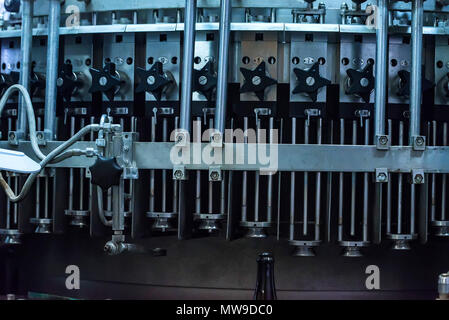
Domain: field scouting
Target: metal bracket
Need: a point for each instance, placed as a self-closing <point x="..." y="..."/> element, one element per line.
<point x="418" y="176"/>
<point x="179" y="173"/>
<point x="362" y="113"/>
<point x="123" y="149"/>
<point x="14" y="137"/>
<point x="382" y="142"/>
<point x="419" y="143"/>
<point x="181" y="138"/>
<point x="42" y="138"/>
<point x="216" y="140"/>
<point x="381" y="175"/>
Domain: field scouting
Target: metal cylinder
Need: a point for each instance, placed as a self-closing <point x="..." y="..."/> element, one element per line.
<point x="223" y="61"/>
<point x="416" y="68"/>
<point x="26" y="42"/>
<point x="187" y="67"/>
<point x="381" y="67"/>
<point x="54" y="18"/>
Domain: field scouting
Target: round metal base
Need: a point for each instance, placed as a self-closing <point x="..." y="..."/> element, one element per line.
<point x="441" y="228"/>
<point x="11" y="236"/>
<point x="78" y="218"/>
<point x="304" y="248"/>
<point x="209" y="222"/>
<point x="401" y="241"/>
<point x="256" y="233"/>
<point x="352" y="248"/>
<point x="256" y="229"/>
<point x="162" y="224"/>
<point x="209" y="225"/>
<point x="43" y="225"/>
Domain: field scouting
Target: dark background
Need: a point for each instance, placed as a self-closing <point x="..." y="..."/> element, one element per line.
<point x="214" y="268"/>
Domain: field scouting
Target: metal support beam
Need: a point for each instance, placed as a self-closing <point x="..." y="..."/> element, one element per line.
<point x="381" y="67"/>
<point x="26" y="40"/>
<point x="223" y="61"/>
<point x="54" y="18"/>
<point x="187" y="67"/>
<point x="416" y="68"/>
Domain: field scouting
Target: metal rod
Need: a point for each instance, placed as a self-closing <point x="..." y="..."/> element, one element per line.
<point x="390" y="133"/>
<point x="353" y="181"/>
<point x="81" y="195"/>
<point x="318" y="186"/>
<point x="329" y="191"/>
<point x="279" y="187"/>
<point x="341" y="186"/>
<point x="444" y="179"/>
<point x="292" y="187"/>
<point x="381" y="67"/>
<point x="46" y="208"/>
<point x="401" y="142"/>
<point x="54" y="18"/>
<point x="365" y="189"/>
<point x="306" y="184"/>
<point x="71" y="172"/>
<point x="245" y="176"/>
<point x="270" y="178"/>
<point x="187" y="67"/>
<point x="198" y="172"/>
<point x="257" y="180"/>
<point x="223" y="61"/>
<point x="164" y="172"/>
<point x="26" y="43"/>
<point x="416" y="67"/>
<point x="433" y="186"/>
<point x="152" y="172"/>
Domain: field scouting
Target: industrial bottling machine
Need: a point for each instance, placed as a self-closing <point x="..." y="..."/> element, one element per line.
<point x="158" y="147"/>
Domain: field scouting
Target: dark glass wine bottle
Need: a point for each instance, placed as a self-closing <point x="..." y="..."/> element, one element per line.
<point x="265" y="287"/>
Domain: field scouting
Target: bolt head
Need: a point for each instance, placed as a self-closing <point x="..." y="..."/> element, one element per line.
<point x="178" y="174"/>
<point x="419" y="178"/>
<point x="364" y="82"/>
<point x="151" y="80"/>
<point x="103" y="81"/>
<point x="310" y="81"/>
<point x="256" y="80"/>
<point x="214" y="175"/>
<point x="202" y="80"/>
<point x="382" y="177"/>
<point x="383" y="140"/>
<point x="419" y="141"/>
<point x="59" y="82"/>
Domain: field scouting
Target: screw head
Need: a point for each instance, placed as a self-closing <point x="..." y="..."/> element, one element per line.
<point x="256" y="80"/>
<point x="214" y="175"/>
<point x="419" y="178"/>
<point x="419" y="141"/>
<point x="103" y="81"/>
<point x="178" y="174"/>
<point x="59" y="82"/>
<point x="202" y="80"/>
<point x="383" y="140"/>
<point x="310" y="81"/>
<point x="382" y="177"/>
<point x="151" y="80"/>
<point x="364" y="82"/>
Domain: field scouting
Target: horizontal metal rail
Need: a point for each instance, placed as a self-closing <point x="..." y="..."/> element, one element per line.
<point x="235" y="26"/>
<point x="324" y="158"/>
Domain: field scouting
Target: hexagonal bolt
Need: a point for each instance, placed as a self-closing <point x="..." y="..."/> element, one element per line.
<point x="178" y="174"/>
<point x="12" y="136"/>
<point x="381" y="177"/>
<point x="419" y="141"/>
<point x="418" y="178"/>
<point x="383" y="140"/>
<point x="214" y="175"/>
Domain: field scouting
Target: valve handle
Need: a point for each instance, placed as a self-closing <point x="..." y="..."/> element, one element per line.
<point x="153" y="81"/>
<point x="106" y="80"/>
<point x="310" y="81"/>
<point x="67" y="82"/>
<point x="361" y="82"/>
<point x="205" y="80"/>
<point x="256" y="81"/>
<point x="404" y="90"/>
<point x="105" y="172"/>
